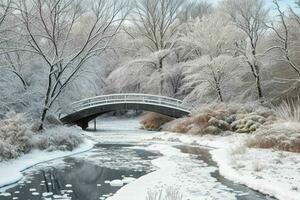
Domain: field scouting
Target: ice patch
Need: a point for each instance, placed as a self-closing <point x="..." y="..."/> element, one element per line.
<point x="116" y="183"/>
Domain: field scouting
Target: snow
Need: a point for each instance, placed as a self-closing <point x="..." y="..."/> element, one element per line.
<point x="180" y="171"/>
<point x="11" y="171"/>
<point x="271" y="172"/>
<point x="275" y="173"/>
<point x="127" y="180"/>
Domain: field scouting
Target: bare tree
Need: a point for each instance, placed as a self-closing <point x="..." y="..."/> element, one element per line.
<point x="8" y="61"/>
<point x="294" y="13"/>
<point x="157" y="21"/>
<point x="250" y="17"/>
<point x="283" y="41"/>
<point x="196" y="9"/>
<point x="52" y="28"/>
<point x="14" y="63"/>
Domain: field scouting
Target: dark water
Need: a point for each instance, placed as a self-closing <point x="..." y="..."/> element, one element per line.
<point x="83" y="177"/>
<point x="242" y="192"/>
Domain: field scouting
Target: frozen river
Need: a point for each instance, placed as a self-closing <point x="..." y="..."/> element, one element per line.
<point x="127" y="164"/>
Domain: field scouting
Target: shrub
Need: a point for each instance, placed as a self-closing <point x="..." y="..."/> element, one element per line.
<point x="153" y="121"/>
<point x="215" y="119"/>
<point x="58" y="138"/>
<point x="15" y="136"/>
<point x="279" y="136"/>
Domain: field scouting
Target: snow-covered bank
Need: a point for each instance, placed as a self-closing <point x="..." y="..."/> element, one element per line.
<point x="188" y="176"/>
<point x="11" y="171"/>
<point x="271" y="172"/>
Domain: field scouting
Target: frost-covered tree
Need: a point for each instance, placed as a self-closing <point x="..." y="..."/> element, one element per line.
<point x="144" y="74"/>
<point x="54" y="31"/>
<point x="196" y="9"/>
<point x="207" y="44"/>
<point x="287" y="36"/>
<point x="250" y="17"/>
<point x="208" y="74"/>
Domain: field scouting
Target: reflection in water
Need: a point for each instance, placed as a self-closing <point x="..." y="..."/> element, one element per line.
<point x="242" y="192"/>
<point x="83" y="177"/>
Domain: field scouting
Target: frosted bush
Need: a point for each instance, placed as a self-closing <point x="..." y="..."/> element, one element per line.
<point x="58" y="138"/>
<point x="169" y="193"/>
<point x="215" y="119"/>
<point x="7" y="151"/>
<point x="15" y="136"/>
<point x="154" y="121"/>
<point x="280" y="136"/>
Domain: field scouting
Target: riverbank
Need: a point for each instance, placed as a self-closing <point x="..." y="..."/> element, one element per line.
<point x="271" y="172"/>
<point x="11" y="171"/>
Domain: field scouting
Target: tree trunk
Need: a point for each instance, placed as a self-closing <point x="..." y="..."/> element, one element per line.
<point x="47" y="98"/>
<point x="256" y="74"/>
<point x="258" y="87"/>
<point x="161" y="84"/>
<point x="43" y="117"/>
<point x="219" y="92"/>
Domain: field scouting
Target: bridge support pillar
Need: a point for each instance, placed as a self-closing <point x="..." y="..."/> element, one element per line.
<point x="95" y="124"/>
<point x="83" y="124"/>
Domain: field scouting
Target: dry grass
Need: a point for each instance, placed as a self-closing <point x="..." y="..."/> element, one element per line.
<point x="169" y="193"/>
<point x="154" y="121"/>
<point x="280" y="136"/>
<point x="288" y="110"/>
<point x="217" y="118"/>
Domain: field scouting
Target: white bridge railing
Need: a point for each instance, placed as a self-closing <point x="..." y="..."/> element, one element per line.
<point x="125" y="98"/>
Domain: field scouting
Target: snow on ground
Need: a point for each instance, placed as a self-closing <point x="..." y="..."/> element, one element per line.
<point x="11" y="171"/>
<point x="115" y="130"/>
<point x="276" y="173"/>
<point x="190" y="176"/>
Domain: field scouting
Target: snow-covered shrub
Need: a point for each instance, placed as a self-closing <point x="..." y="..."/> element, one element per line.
<point x="15" y="136"/>
<point x="257" y="165"/>
<point x="58" y="138"/>
<point x="7" y="151"/>
<point x="238" y="149"/>
<point x="288" y="110"/>
<point x="169" y="193"/>
<point x="153" y="121"/>
<point x="217" y="118"/>
<point x="281" y="136"/>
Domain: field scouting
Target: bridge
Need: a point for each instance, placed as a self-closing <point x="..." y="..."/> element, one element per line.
<point x="82" y="112"/>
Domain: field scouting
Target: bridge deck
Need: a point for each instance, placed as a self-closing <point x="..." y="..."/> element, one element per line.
<point x="87" y="109"/>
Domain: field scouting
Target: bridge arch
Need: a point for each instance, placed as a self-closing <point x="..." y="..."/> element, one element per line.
<point x="81" y="112"/>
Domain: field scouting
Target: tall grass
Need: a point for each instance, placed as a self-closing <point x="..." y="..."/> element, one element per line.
<point x="288" y="110"/>
<point x="169" y="193"/>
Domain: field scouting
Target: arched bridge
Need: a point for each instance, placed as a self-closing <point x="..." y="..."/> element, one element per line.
<point x="81" y="112"/>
